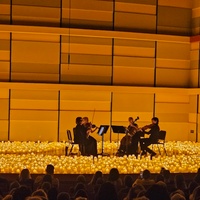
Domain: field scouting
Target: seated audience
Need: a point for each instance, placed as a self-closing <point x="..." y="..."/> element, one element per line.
<point x="63" y="196"/>
<point x="145" y="179"/>
<point x="107" y="191"/>
<point x="128" y="181"/>
<point x="114" y="178"/>
<point x="49" y="173"/>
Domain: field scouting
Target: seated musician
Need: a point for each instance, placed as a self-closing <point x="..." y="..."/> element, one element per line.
<point x="79" y="135"/>
<point x="90" y="142"/>
<point x="129" y="143"/>
<point x="154" y="134"/>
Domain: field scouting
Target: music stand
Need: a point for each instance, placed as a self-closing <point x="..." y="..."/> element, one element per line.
<point x="102" y="130"/>
<point x="118" y="130"/>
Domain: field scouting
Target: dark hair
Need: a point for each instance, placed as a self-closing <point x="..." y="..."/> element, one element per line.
<point x="21" y="193"/>
<point x="159" y="177"/>
<point x="130" y="118"/>
<point x="135" y="191"/>
<point x="50" y="169"/>
<point x="98" y="174"/>
<point x="155" y="119"/>
<point x="24" y="175"/>
<point x="78" y="120"/>
<point x="81" y="193"/>
<point x="79" y="186"/>
<point x="146" y="174"/>
<point x="107" y="191"/>
<point x="192" y="185"/>
<point x="52" y="193"/>
<point x="63" y="196"/>
<point x="180" y="182"/>
<point x="166" y="174"/>
<point x="157" y="192"/>
<point x="128" y="181"/>
<point x="47" y="178"/>
<point x="113" y="175"/>
<point x="81" y="179"/>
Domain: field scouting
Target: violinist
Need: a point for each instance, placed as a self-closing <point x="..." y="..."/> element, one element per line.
<point x="154" y="134"/>
<point x="79" y="135"/>
<point x="90" y="142"/>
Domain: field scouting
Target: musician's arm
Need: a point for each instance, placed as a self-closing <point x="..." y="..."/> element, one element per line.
<point x="93" y="130"/>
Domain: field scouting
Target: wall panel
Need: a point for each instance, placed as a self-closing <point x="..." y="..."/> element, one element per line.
<point x="4" y="113"/>
<point x="176" y="17"/>
<point x="173" y="59"/>
<point x="87" y="14"/>
<point x="34" y="60"/>
<point x="4" y="56"/>
<point x="27" y="12"/>
<point x="5" y="11"/>
<point x="135" y="22"/>
<point x="86" y="60"/>
<point x="172" y="111"/>
<point x="34" y="115"/>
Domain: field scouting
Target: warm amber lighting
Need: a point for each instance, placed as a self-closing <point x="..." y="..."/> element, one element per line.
<point x="182" y="157"/>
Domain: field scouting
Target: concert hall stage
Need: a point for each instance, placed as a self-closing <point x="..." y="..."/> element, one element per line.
<point x="182" y="157"/>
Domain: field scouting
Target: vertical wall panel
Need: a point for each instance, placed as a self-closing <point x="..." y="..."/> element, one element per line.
<point x="5" y="11"/>
<point x="4" y="114"/>
<point x="4" y="56"/>
<point x="192" y="118"/>
<point x="173" y="59"/>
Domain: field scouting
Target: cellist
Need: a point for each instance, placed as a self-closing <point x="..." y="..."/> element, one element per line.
<point x="153" y="138"/>
<point x="129" y="143"/>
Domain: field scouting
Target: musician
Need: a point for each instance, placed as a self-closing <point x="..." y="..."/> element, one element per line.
<point x="90" y="142"/>
<point x="80" y="135"/>
<point x="154" y="134"/>
<point x="129" y="143"/>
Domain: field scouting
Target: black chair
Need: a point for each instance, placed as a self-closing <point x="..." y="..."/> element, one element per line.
<point x="161" y="141"/>
<point x="73" y="142"/>
<point x="70" y="140"/>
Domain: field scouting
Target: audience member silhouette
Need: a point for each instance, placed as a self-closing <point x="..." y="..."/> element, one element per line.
<point x="107" y="191"/>
<point x="114" y="178"/>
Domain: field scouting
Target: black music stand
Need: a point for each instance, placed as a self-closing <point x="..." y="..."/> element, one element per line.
<point x="102" y="130"/>
<point x="118" y="130"/>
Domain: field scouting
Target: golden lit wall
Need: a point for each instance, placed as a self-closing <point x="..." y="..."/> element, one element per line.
<point x="123" y="50"/>
<point x="4" y="114"/>
<point x="172" y="110"/>
<point x="45" y="114"/>
<point x="124" y="15"/>
<point x="194" y="64"/>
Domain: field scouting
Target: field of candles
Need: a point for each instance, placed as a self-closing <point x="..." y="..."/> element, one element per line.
<point x="14" y="156"/>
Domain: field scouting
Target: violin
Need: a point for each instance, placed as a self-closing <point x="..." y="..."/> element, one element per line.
<point x="147" y="127"/>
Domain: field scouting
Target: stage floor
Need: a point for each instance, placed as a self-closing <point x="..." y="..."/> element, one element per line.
<point x="14" y="156"/>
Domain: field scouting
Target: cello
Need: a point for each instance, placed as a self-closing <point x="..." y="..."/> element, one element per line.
<point x="126" y="141"/>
